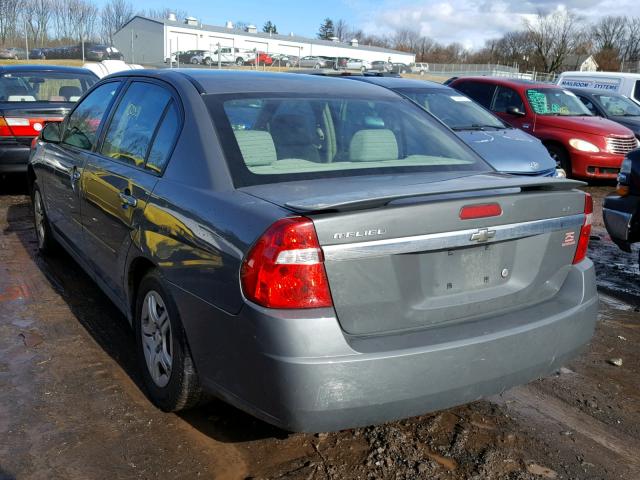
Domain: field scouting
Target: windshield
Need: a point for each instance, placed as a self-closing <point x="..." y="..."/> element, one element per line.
<point x="555" y="101"/>
<point x="456" y="111"/>
<point x="618" y="105"/>
<point x="276" y="138"/>
<point x="44" y="86"/>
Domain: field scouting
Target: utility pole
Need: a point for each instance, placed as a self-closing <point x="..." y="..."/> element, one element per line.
<point x="26" y="39"/>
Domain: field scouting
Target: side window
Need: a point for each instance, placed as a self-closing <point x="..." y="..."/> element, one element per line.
<point x="479" y="91"/>
<point x="82" y="125"/>
<point x="589" y="104"/>
<point x="164" y="139"/>
<point x="134" y="122"/>
<point x="505" y="98"/>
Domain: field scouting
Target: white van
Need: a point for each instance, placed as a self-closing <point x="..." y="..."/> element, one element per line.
<point x="627" y="84"/>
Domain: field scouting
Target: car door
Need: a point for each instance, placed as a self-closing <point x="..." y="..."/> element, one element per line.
<point x="118" y="179"/>
<point x="507" y="98"/>
<point x="64" y="162"/>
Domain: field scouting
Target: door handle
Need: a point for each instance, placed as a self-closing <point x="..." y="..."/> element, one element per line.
<point x="75" y="176"/>
<point x="127" y="199"/>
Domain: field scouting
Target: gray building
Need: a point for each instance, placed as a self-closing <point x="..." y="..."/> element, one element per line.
<point x="151" y="41"/>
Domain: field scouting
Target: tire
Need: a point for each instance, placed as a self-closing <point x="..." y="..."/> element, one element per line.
<point x="208" y="61"/>
<point x="168" y="371"/>
<point x="316" y="66"/>
<point x="561" y="156"/>
<point x="46" y="243"/>
<point x="421" y="72"/>
<point x="194" y="61"/>
<point x="239" y="61"/>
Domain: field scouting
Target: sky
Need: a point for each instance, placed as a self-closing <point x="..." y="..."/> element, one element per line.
<point x="469" y="22"/>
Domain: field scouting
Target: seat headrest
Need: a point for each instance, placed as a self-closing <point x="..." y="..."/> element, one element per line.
<point x="373" y="145"/>
<point x="69" y="91"/>
<point x="256" y="146"/>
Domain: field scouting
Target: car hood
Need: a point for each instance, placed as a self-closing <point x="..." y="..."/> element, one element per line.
<point x="632" y="123"/>
<point x="588" y="125"/>
<point x="510" y="150"/>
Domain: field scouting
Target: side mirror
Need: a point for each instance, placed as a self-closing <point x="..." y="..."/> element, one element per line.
<point x="515" y="111"/>
<point x="51" y="133"/>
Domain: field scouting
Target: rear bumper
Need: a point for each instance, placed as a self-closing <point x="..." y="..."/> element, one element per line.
<point x="299" y="371"/>
<point x="14" y="158"/>
<point x="620" y="219"/>
<point x="595" y="165"/>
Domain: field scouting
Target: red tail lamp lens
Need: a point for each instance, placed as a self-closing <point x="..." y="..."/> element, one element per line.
<point x="285" y="268"/>
<point x="485" y="210"/>
<point x="585" y="231"/>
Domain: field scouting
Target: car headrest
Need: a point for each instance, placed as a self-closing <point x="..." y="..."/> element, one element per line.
<point x="256" y="146"/>
<point x="69" y="91"/>
<point x="373" y="145"/>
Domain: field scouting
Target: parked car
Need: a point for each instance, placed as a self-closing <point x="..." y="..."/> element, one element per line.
<point x="97" y="52"/>
<point x="613" y="106"/>
<point x="233" y="55"/>
<point x="627" y="84"/>
<point x="38" y="54"/>
<point x="400" y="68"/>
<point x="381" y="66"/>
<point x="30" y="97"/>
<point x="505" y="148"/>
<point x="204" y="57"/>
<point x="13" y="53"/>
<point x="320" y="253"/>
<point x="316" y="62"/>
<point x="419" y="68"/>
<point x="621" y="210"/>
<point x="283" y="60"/>
<point x="357" y="64"/>
<point x="583" y="145"/>
<point x="261" y="58"/>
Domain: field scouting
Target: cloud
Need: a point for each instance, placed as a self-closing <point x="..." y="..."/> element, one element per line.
<point x="472" y="22"/>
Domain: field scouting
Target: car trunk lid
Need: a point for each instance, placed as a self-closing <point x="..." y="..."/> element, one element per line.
<point x="398" y="255"/>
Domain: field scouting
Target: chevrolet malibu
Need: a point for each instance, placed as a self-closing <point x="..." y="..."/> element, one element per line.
<point x="322" y="254"/>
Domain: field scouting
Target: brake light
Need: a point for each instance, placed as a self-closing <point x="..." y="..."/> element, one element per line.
<point x="285" y="268"/>
<point x="469" y="212"/>
<point x="585" y="230"/>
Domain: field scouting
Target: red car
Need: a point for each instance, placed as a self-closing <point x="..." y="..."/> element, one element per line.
<point x="262" y="58"/>
<point x="582" y="144"/>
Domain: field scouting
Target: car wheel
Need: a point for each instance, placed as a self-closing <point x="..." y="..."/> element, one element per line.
<point x="560" y="155"/>
<point x="194" y="61"/>
<point x="421" y="72"/>
<point x="316" y="66"/>
<point x="46" y="242"/>
<point x="239" y="61"/>
<point x="208" y="61"/>
<point x="169" y="374"/>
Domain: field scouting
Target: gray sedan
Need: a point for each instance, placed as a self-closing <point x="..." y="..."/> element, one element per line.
<point x="320" y="253"/>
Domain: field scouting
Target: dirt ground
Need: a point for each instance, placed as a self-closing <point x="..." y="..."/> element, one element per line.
<point x="71" y="405"/>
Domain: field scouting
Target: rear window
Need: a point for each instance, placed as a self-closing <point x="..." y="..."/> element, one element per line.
<point x="280" y="138"/>
<point x="44" y="86"/>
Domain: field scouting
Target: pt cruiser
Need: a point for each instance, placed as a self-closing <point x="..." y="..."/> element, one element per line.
<point x="322" y="254"/>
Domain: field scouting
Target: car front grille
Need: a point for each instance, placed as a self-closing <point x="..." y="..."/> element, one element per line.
<point x="621" y="145"/>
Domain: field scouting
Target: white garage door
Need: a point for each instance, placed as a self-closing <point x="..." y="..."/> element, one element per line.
<point x="182" y="41"/>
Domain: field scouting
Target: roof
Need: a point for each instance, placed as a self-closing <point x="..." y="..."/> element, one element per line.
<point x="243" y="81"/>
<point x="513" y="82"/>
<point x="44" y="68"/>
<point x="576" y="60"/>
<point x="601" y="74"/>
<point x="287" y="38"/>
<point x="399" y="82"/>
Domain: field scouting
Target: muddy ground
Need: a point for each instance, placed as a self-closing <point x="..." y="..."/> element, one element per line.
<point x="71" y="405"/>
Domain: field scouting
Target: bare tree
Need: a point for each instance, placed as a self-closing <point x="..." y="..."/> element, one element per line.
<point x="8" y="20"/>
<point x="165" y="12"/>
<point x="36" y="15"/>
<point x="342" y="30"/>
<point x="553" y="36"/>
<point x="406" y="40"/>
<point x="114" y="15"/>
<point x="609" y="33"/>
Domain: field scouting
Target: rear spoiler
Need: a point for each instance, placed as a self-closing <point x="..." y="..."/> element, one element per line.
<point x="381" y="196"/>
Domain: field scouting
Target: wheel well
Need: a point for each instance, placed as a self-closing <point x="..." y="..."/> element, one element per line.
<point x="137" y="270"/>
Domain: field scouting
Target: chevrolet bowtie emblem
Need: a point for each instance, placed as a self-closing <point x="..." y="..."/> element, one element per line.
<point x="483" y="235"/>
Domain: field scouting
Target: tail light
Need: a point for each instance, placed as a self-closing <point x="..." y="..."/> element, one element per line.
<point x="285" y="268"/>
<point x="585" y="231"/>
<point x="5" y="130"/>
<point x="469" y="212"/>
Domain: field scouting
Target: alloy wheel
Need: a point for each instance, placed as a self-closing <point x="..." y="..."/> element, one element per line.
<point x="38" y="213"/>
<point x="157" y="339"/>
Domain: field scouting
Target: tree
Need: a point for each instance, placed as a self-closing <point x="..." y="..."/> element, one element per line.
<point x="114" y="15"/>
<point x="326" y="31"/>
<point x="270" y="28"/>
<point x="8" y="20"/>
<point x="342" y="30"/>
<point x="164" y="13"/>
<point x="36" y="15"/>
<point x="553" y="37"/>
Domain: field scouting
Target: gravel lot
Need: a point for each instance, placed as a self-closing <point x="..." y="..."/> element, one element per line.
<point x="71" y="405"/>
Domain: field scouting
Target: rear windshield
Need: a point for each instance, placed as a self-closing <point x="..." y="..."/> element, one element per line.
<point x="556" y="101"/>
<point x="456" y="111"/>
<point x="44" y="86"/>
<point x="273" y="138"/>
